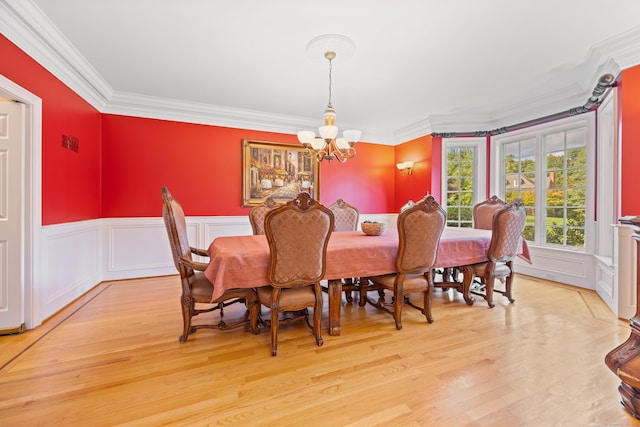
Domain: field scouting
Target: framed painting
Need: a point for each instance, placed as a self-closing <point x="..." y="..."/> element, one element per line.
<point x="278" y="170"/>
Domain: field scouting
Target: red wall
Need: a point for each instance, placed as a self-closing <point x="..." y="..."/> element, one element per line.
<point x="414" y="186"/>
<point x="630" y="100"/>
<point x="202" y="166"/>
<point x="70" y="180"/>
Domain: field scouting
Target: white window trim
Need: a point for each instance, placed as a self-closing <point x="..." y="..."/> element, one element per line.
<point x="496" y="177"/>
<point x="480" y="166"/>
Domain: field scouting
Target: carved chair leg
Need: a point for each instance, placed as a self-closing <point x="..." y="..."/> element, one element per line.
<point x="364" y="284"/>
<point x="254" y="312"/>
<point x="187" y="314"/>
<point x="347" y="294"/>
<point x="317" y="319"/>
<point x="275" y="314"/>
<point x="467" y="279"/>
<point x="489" y="291"/>
<point x="397" y="306"/>
<point x="507" y="287"/>
<point x="428" y="298"/>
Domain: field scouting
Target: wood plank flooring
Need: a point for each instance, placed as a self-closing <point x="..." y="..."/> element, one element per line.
<point x="112" y="358"/>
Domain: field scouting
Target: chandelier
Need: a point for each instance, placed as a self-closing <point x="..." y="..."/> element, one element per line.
<point x="327" y="146"/>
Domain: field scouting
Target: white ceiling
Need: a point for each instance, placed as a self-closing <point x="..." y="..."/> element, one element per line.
<point x="419" y="65"/>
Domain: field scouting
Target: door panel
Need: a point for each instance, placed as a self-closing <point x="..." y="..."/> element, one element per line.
<point x="11" y="164"/>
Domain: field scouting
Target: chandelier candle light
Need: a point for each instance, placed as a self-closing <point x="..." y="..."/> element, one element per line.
<point x="327" y="146"/>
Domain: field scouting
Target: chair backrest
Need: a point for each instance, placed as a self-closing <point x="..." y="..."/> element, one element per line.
<point x="483" y="212"/>
<point x="298" y="234"/>
<point x="345" y="216"/>
<point x="407" y="205"/>
<point x="258" y="213"/>
<point x="176" y="226"/>
<point x="508" y="225"/>
<point x="419" y="231"/>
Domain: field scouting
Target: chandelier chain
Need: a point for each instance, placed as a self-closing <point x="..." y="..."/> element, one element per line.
<point x="330" y="67"/>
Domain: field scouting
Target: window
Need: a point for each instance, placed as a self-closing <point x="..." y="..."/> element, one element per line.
<point x="464" y="175"/>
<point x="547" y="167"/>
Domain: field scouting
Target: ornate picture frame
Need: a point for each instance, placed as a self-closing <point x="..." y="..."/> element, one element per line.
<point x="277" y="169"/>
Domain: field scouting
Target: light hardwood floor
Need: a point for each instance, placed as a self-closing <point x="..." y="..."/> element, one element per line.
<point x="113" y="358"/>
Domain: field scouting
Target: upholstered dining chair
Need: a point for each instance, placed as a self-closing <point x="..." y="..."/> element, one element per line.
<point x="407" y="205"/>
<point x="258" y="213"/>
<point x="506" y="241"/>
<point x="419" y="229"/>
<point x="298" y="234"/>
<point x="346" y="218"/>
<point x="483" y="212"/>
<point x="196" y="288"/>
<point x="482" y="218"/>
<point x="345" y="215"/>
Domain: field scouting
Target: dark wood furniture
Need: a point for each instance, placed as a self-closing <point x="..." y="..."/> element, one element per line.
<point x="419" y="231"/>
<point x="483" y="212"/>
<point x="624" y="360"/>
<point x="258" y="213"/>
<point x="196" y="288"/>
<point x="346" y="218"/>
<point x="298" y="234"/>
<point x="243" y="261"/>
<point x="506" y="243"/>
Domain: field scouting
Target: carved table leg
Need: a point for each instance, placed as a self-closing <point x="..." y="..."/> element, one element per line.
<point x="624" y="360"/>
<point x="335" y="298"/>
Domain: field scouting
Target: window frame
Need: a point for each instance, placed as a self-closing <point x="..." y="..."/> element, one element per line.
<point x="538" y="132"/>
<point x="479" y="166"/>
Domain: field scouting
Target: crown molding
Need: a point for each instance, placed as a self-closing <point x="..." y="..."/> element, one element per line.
<point x="129" y="104"/>
<point x="26" y="26"/>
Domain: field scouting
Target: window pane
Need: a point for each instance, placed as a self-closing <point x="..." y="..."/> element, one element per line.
<point x="555" y="217"/>
<point x="575" y="237"/>
<point x="555" y="235"/>
<point x="565" y="197"/>
<point x="577" y="178"/>
<point x="453" y="214"/>
<point x="460" y="185"/>
<point x="577" y="157"/>
<point x="576" y="217"/>
<point x="555" y="198"/>
<point x="453" y="199"/>
<point x="466" y="214"/>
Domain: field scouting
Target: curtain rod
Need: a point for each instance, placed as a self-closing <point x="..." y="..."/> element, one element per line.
<point x="605" y="82"/>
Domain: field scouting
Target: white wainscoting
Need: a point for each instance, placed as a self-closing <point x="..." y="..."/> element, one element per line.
<point x="564" y="266"/>
<point x="77" y="256"/>
<point x="616" y="278"/>
<point x="71" y="259"/>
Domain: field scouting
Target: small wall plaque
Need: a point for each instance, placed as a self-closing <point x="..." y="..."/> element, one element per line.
<point x="70" y="142"/>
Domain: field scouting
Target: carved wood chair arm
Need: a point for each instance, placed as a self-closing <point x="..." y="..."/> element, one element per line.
<point x="198" y="251"/>
<point x="194" y="265"/>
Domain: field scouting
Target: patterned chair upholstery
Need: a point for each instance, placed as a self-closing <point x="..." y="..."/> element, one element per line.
<point x="506" y="241"/>
<point x="419" y="229"/>
<point x="196" y="288"/>
<point x="258" y="213"/>
<point x="298" y="234"/>
<point x="346" y="218"/>
<point x="483" y="212"/>
<point x="482" y="218"/>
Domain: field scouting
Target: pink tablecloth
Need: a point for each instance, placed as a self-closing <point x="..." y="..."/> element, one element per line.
<point x="243" y="261"/>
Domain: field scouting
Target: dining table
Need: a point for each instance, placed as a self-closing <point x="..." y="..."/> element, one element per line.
<point x="243" y="261"/>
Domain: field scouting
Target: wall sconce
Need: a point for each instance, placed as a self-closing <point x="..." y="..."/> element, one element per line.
<point x="405" y="165"/>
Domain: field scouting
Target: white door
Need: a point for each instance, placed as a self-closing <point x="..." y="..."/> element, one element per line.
<point x="11" y="161"/>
